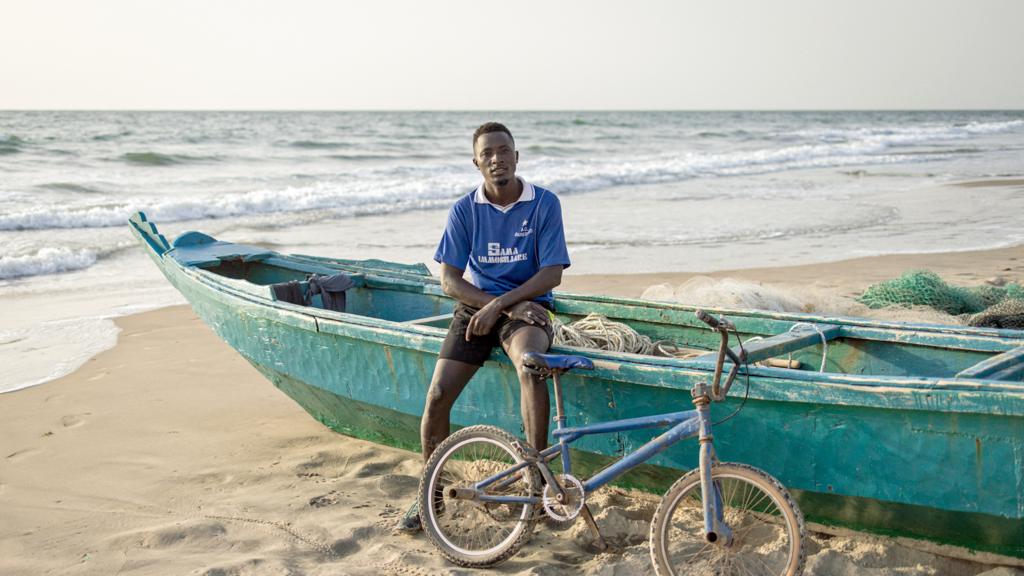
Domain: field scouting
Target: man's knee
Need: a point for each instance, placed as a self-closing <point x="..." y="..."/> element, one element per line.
<point x="435" y="395"/>
<point x="447" y="383"/>
<point x="526" y="339"/>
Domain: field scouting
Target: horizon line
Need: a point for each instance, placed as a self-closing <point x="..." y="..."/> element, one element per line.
<point x="513" y="110"/>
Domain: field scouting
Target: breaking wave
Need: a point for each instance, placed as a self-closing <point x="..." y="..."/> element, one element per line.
<point x="422" y="185"/>
<point x="46" y="261"/>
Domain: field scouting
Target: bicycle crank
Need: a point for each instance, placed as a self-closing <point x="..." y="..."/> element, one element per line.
<point x="564" y="507"/>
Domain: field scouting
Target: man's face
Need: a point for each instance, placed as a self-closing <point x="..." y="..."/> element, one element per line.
<point x="494" y="154"/>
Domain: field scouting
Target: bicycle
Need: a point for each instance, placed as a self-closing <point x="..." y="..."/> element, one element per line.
<point x="482" y="486"/>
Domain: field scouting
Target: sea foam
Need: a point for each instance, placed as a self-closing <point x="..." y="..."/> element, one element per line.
<point x="52" y="349"/>
<point x="408" y="187"/>
<point x="46" y="261"/>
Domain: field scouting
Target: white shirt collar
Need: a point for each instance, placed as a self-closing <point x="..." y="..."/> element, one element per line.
<point x="528" y="194"/>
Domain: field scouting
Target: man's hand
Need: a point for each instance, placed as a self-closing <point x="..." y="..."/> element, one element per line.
<point x="483" y="321"/>
<point x="529" y="312"/>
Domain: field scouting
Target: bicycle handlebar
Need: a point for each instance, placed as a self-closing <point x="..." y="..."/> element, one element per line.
<point x="722" y="326"/>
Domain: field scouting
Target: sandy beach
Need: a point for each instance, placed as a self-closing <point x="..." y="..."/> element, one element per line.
<point x="169" y="454"/>
<point x="781" y="157"/>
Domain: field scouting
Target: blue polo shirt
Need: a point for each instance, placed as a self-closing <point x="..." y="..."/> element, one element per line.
<point x="504" y="246"/>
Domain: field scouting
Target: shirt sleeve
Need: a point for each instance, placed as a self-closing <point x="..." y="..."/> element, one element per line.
<point x="454" y="247"/>
<point x="551" y="236"/>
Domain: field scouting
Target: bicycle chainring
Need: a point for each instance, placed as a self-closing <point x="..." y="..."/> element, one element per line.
<point x="572" y="502"/>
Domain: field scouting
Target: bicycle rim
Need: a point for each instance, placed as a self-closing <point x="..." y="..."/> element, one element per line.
<point x="473" y="529"/>
<point x="767" y="527"/>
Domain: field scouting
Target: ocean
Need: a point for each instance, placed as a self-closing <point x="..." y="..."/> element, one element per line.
<point x="641" y="192"/>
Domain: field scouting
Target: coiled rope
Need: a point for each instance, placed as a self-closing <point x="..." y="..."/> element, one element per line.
<point x="598" y="332"/>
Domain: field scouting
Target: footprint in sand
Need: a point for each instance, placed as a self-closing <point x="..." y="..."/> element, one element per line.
<point x="397" y="485"/>
<point x="370" y="469"/>
<point x="74" y="420"/>
<point x="22" y="454"/>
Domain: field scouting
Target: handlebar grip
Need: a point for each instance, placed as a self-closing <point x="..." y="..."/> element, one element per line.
<point x="708" y="319"/>
<point x="719" y="324"/>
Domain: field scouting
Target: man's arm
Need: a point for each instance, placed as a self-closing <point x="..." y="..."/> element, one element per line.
<point x="460" y="289"/>
<point x="540" y="283"/>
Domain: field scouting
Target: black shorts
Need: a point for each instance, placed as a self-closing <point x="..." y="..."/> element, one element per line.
<point x="478" y="349"/>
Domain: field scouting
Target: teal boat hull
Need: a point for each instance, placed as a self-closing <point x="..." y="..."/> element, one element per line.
<point x="887" y="440"/>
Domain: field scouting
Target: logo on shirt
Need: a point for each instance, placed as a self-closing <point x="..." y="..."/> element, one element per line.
<point x="524" y="229"/>
<point x="498" y="255"/>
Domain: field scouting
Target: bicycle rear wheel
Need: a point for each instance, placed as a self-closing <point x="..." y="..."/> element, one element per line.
<point x="768" y="528"/>
<point x="472" y="533"/>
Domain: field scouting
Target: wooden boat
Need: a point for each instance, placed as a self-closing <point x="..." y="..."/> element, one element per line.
<point x="910" y="429"/>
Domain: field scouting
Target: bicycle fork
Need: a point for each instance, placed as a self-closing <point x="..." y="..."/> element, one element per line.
<point x="716" y="531"/>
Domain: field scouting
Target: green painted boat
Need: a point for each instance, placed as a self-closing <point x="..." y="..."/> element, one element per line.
<point x="911" y="429"/>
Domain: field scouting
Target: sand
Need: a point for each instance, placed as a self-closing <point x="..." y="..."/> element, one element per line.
<point x="169" y="454"/>
<point x="843" y="278"/>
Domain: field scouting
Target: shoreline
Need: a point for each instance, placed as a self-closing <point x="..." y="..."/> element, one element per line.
<point x="169" y="453"/>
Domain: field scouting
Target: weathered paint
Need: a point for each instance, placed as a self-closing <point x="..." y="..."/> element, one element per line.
<point x="899" y="440"/>
<point x="1008" y="364"/>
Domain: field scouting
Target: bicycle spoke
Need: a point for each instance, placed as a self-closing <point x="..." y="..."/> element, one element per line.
<point x="471" y="526"/>
<point x="763" y="541"/>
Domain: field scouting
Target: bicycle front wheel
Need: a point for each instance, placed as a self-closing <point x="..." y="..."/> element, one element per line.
<point x="767" y="527"/>
<point x="474" y="533"/>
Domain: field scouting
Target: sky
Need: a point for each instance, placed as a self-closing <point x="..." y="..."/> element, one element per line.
<point x="511" y="55"/>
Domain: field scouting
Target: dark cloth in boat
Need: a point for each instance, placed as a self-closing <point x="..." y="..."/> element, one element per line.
<point x="290" y="292"/>
<point x="331" y="290"/>
<point x="478" y="349"/>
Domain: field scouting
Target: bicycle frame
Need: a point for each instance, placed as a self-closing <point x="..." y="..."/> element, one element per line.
<point x="682" y="425"/>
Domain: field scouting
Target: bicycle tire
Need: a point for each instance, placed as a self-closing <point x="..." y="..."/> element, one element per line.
<point x="451" y="526"/>
<point x="755" y="550"/>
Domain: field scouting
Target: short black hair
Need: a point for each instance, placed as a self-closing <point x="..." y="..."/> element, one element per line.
<point x="488" y="128"/>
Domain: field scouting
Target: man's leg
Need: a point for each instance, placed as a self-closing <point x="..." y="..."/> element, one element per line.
<point x="450" y="377"/>
<point x="533" y="392"/>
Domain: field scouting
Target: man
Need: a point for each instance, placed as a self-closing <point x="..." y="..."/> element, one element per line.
<point x="508" y="234"/>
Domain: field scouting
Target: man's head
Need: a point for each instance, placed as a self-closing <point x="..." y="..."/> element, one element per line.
<point x="494" y="153"/>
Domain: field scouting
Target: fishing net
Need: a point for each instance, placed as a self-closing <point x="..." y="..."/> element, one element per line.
<point x="810" y="298"/>
<point x="1006" y="314"/>
<point x="924" y="288"/>
<point x="988" y="305"/>
<point x="728" y="293"/>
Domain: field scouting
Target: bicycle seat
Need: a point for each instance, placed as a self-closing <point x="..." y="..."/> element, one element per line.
<point x="556" y="362"/>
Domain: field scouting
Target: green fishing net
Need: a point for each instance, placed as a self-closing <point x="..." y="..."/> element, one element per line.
<point x="994" y="306"/>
